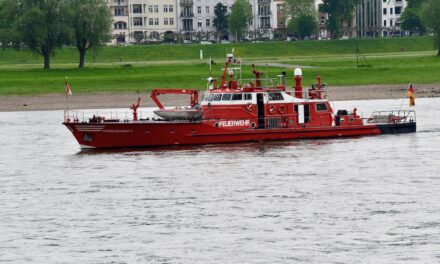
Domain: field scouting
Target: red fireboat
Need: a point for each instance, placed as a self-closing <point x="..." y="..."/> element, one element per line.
<point x="237" y="110"/>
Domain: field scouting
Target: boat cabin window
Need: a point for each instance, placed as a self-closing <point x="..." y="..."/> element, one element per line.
<point x="226" y="97"/>
<point x="321" y="107"/>
<point x="275" y="97"/>
<point x="209" y="97"/>
<point x="217" y="97"/>
<point x="237" y="97"/>
<point x="248" y="97"/>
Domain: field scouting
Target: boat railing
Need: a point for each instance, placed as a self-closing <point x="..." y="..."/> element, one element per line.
<point x="265" y="83"/>
<point x="106" y="116"/>
<point x="115" y="117"/>
<point x="391" y="117"/>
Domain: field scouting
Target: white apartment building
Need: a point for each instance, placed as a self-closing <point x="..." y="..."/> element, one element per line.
<point x="120" y="27"/>
<point x="150" y="18"/>
<point x="392" y="10"/>
<point x="142" y="20"/>
<point x="198" y="15"/>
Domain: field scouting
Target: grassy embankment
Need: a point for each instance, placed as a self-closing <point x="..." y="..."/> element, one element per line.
<point x="141" y="68"/>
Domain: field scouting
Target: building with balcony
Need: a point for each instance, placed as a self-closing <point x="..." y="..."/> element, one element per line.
<point x="392" y="11"/>
<point x="120" y="27"/>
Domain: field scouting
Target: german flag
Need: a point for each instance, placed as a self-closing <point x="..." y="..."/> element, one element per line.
<point x="412" y="95"/>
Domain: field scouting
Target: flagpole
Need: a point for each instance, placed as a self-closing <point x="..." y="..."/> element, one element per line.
<point x="67" y="101"/>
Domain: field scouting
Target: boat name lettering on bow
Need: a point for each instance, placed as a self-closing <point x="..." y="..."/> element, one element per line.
<point x="233" y="123"/>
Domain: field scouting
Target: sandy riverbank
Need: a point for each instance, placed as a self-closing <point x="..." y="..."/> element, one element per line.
<point x="122" y="100"/>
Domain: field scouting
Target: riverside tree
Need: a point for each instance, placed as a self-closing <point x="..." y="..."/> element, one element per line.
<point x="302" y="17"/>
<point x="412" y="17"/>
<point x="238" y="19"/>
<point x="431" y="16"/>
<point x="303" y="26"/>
<point x="38" y="24"/>
<point x="221" y="19"/>
<point x="338" y="11"/>
<point x="91" y="24"/>
<point x="7" y="32"/>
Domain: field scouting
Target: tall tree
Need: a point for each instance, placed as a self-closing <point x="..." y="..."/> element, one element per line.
<point x="91" y="22"/>
<point x="412" y="17"/>
<point x="415" y="3"/>
<point x="221" y="19"/>
<point x="411" y="21"/>
<point x="302" y="17"/>
<point x="303" y="26"/>
<point x="296" y="8"/>
<point x="38" y="24"/>
<point x="238" y="19"/>
<point x="8" y="10"/>
<point x="431" y="16"/>
<point x="338" y="11"/>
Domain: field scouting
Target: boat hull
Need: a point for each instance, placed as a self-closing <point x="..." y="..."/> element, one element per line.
<point x="150" y="134"/>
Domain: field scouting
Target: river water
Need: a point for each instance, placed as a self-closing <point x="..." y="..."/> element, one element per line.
<point x="372" y="199"/>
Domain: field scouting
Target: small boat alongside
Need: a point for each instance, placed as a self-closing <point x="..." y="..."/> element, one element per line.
<point x="238" y="110"/>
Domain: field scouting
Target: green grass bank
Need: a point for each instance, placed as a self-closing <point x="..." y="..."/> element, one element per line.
<point x="142" y="68"/>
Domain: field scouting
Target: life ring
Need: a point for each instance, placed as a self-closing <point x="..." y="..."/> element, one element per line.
<point x="282" y="109"/>
<point x="271" y="109"/>
<point x="250" y="107"/>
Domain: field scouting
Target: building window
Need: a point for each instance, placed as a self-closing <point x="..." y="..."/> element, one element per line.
<point x="207" y="10"/>
<point x="384" y="23"/>
<point x="199" y="23"/>
<point x="156" y="9"/>
<point x="199" y="10"/>
<point x="391" y="11"/>
<point x="391" y="23"/>
<point x="384" y="11"/>
<point x="137" y="9"/>
<point x="170" y="8"/>
<point x="165" y="8"/>
<point x="165" y="21"/>
<point x="171" y="21"/>
<point x="150" y="22"/>
<point x="119" y="11"/>
<point x="156" y="21"/>
<point x="398" y="10"/>
<point x="208" y="22"/>
<point x="120" y="25"/>
<point x="137" y="21"/>
<point x="150" y="8"/>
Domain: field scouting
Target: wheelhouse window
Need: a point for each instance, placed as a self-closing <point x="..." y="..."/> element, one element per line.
<point x="237" y="97"/>
<point x="275" y="97"/>
<point x="226" y="97"/>
<point x="321" y="107"/>
<point x="209" y="97"/>
<point x="217" y="97"/>
<point x="248" y="97"/>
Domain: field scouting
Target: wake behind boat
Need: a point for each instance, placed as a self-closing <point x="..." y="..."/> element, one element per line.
<point x="238" y="110"/>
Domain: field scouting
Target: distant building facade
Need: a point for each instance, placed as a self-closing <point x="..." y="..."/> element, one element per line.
<point x="152" y="20"/>
<point x="120" y="27"/>
<point x="379" y="18"/>
<point x="392" y="11"/>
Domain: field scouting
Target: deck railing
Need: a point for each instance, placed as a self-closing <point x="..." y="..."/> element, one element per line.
<point x="391" y="117"/>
